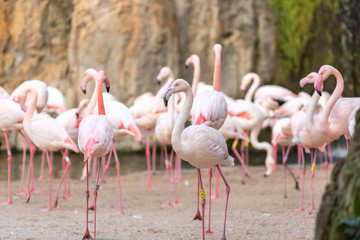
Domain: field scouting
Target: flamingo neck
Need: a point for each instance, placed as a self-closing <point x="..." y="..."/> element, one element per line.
<point x="196" y="76"/>
<point x="32" y="106"/>
<point x="254" y="85"/>
<point x="333" y="98"/>
<point x="92" y="103"/>
<point x="217" y="68"/>
<point x="167" y="84"/>
<point x="311" y="109"/>
<point x="100" y="100"/>
<point x="180" y="121"/>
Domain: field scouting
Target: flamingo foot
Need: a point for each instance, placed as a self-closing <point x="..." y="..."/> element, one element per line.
<point x="215" y="196"/>
<point x="33" y="190"/>
<point x="209" y="231"/>
<point x="167" y="205"/>
<point x="312" y="213"/>
<point x="197" y="216"/>
<point x="56" y="202"/>
<point x="177" y="203"/>
<point x="20" y="192"/>
<point x="67" y="196"/>
<point x="300" y="209"/>
<point x="87" y="235"/>
<point x="46" y="209"/>
<point x="121" y="212"/>
<point x="7" y="203"/>
<point x="91" y="207"/>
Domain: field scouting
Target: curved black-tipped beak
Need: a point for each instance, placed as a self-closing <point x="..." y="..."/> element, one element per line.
<point x="186" y="66"/>
<point x="158" y="82"/>
<point x="165" y="100"/>
<point x="319" y="92"/>
<point x="301" y="89"/>
<point x="108" y="89"/>
<point x="84" y="91"/>
<point x="77" y="115"/>
<point x="243" y="90"/>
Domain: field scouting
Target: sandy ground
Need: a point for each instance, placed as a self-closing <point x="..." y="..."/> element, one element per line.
<point x="257" y="210"/>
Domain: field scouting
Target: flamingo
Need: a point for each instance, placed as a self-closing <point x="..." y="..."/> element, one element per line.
<point x="124" y="124"/>
<point x="56" y="101"/>
<point x="46" y="133"/>
<point x="339" y="113"/>
<point x="95" y="137"/>
<point x="42" y="91"/>
<point x="200" y="145"/>
<point x="11" y="118"/>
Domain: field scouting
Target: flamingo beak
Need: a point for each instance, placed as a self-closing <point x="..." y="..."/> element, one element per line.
<point x="84" y="91"/>
<point x="108" y="89"/>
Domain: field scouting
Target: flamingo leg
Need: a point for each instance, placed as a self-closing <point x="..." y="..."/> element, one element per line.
<point x="50" y="180"/>
<point x="147" y="152"/>
<point x="210" y="176"/>
<point x="65" y="173"/>
<point x="118" y="177"/>
<point x="227" y="199"/>
<point x="177" y="168"/>
<point x="177" y="202"/>
<point x="9" y="159"/>
<point x="330" y="156"/>
<point x="87" y="233"/>
<point x="287" y="167"/>
<point x="154" y="154"/>
<point x="327" y="166"/>
<point x="241" y="160"/>
<point x="274" y="146"/>
<point x="313" y="165"/>
<point x="284" y="162"/>
<point x="301" y="152"/>
<point x="21" y="191"/>
<point x="202" y="194"/>
<point x="167" y="164"/>
<point x="41" y="177"/>
<point x="197" y="214"/>
<point x="32" y="152"/>
<point x="96" y="189"/>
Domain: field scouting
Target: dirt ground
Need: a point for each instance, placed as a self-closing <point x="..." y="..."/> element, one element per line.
<point x="257" y="209"/>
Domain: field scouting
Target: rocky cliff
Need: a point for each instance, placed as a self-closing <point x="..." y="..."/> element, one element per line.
<point x="55" y="41"/>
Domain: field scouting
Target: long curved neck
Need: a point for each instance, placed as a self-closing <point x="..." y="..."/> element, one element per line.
<point x="333" y="98"/>
<point x="260" y="145"/>
<point x="217" y="68"/>
<point x="254" y="85"/>
<point x="196" y="76"/>
<point x="100" y="100"/>
<point x="311" y="109"/>
<point x="162" y="90"/>
<point x="32" y="106"/>
<point x="171" y="110"/>
<point x="180" y="121"/>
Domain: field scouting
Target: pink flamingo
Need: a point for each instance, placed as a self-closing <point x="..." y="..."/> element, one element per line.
<point x="46" y="133"/>
<point x="146" y="111"/>
<point x="124" y="124"/>
<point x="41" y="89"/>
<point x="200" y="145"/>
<point x="11" y="117"/>
<point x="163" y="131"/>
<point x="339" y="113"/>
<point x="56" y="101"/>
<point x="95" y="138"/>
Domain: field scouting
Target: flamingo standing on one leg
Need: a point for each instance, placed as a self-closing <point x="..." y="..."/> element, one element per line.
<point x="45" y="132"/>
<point x="95" y="138"/>
<point x="200" y="145"/>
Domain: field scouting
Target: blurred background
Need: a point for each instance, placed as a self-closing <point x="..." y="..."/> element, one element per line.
<point x="281" y="40"/>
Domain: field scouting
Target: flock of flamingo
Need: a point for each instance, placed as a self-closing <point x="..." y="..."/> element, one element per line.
<point x="309" y="122"/>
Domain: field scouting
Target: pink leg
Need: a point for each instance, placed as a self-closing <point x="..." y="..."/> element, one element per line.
<point x="93" y="170"/>
<point x="313" y="159"/>
<point x="41" y="177"/>
<point x="227" y="199"/>
<point x="330" y="156"/>
<point x="177" y="202"/>
<point x="118" y="178"/>
<point x="216" y="194"/>
<point x="92" y="206"/>
<point x="167" y="165"/>
<point x="154" y="154"/>
<point x="283" y="155"/>
<point x="96" y="189"/>
<point x="32" y="152"/>
<point x="50" y="180"/>
<point x="299" y="162"/>
<point x="177" y="168"/>
<point x="301" y="208"/>
<point x="202" y="194"/>
<point x="197" y="215"/>
<point x="147" y="152"/>
<point x="347" y="146"/>
<point x="327" y="166"/>
<point x="21" y="191"/>
<point x="9" y="159"/>
<point x="274" y="146"/>
<point x="241" y="160"/>
<point x="87" y="233"/>
<point x="65" y="173"/>
<point x="210" y="176"/>
<point x="287" y="167"/>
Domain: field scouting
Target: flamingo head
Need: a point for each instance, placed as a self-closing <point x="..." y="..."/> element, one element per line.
<point x="192" y="60"/>
<point x="269" y="163"/>
<point x="179" y="85"/>
<point x="324" y="72"/>
<point x="165" y="72"/>
<point x="88" y="75"/>
<point x="310" y="78"/>
<point x="103" y="78"/>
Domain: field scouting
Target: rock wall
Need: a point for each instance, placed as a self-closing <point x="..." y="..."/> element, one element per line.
<point x="55" y="41"/>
